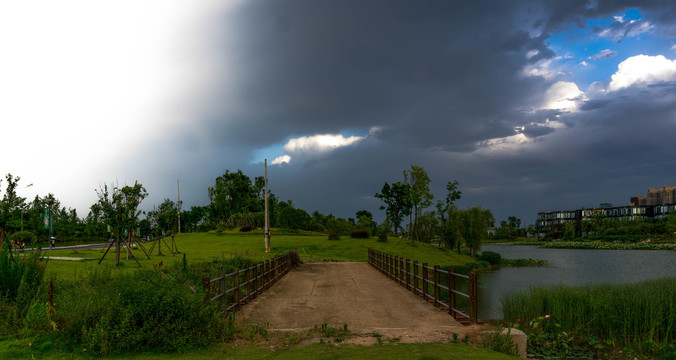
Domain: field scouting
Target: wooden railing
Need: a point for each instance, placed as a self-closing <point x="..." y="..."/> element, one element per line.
<point x="429" y="282"/>
<point x="241" y="286"/>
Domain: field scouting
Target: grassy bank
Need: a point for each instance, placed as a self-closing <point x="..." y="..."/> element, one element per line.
<point x="604" y="245"/>
<point x="200" y="247"/>
<point x="639" y="316"/>
<point x="46" y="349"/>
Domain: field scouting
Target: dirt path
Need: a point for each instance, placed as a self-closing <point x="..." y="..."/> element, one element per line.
<point x="349" y="293"/>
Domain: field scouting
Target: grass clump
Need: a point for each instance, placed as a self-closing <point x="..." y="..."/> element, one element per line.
<point x="334" y="237"/>
<point x="639" y="316"/>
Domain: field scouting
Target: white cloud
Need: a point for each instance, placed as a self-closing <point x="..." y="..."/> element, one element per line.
<point x="603" y="54"/>
<point x="510" y="144"/>
<point x="312" y="146"/>
<point x="319" y="143"/>
<point x="281" y="160"/>
<point x="541" y="68"/>
<point x="502" y="145"/>
<point x="643" y="70"/>
<point x="621" y="28"/>
<point x="583" y="63"/>
<point x="673" y="47"/>
<point x="532" y="53"/>
<point x="564" y="96"/>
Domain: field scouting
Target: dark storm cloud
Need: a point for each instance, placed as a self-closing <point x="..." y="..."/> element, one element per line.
<point x="438" y="77"/>
<point x="440" y="73"/>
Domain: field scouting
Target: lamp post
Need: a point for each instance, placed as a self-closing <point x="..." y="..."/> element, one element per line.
<point x="266" y="231"/>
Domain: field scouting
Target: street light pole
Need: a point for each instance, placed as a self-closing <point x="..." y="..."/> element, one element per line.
<point x="266" y="231"/>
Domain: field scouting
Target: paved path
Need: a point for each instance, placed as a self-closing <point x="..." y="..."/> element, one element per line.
<point x="349" y="293"/>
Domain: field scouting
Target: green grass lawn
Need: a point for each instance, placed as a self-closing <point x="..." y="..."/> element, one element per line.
<point x="18" y="349"/>
<point x="200" y="247"/>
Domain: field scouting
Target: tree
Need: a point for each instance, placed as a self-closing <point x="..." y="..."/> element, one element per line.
<point x="428" y="226"/>
<point x="419" y="194"/>
<point x="119" y="208"/>
<point x="445" y="209"/>
<point x="292" y="218"/>
<point x="476" y="222"/>
<point x="165" y="216"/>
<point x="397" y="202"/>
<point x="9" y="204"/>
<point x="231" y="194"/>
<point x="365" y="221"/>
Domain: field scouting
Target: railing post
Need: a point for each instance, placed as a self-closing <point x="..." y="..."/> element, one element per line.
<point x="415" y="277"/>
<point x="402" y="272"/>
<point x="473" y="298"/>
<point x="408" y="274"/>
<point x="267" y="274"/>
<point x="436" y="285"/>
<point x="424" y="281"/>
<point x="246" y="285"/>
<point x="275" y="262"/>
<point x="451" y="294"/>
<point x="396" y="269"/>
<point x="221" y="287"/>
<point x="236" y="293"/>
<point x="255" y="280"/>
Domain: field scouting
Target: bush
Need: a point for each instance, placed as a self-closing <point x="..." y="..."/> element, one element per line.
<point x="382" y="238"/>
<point x="246" y="228"/>
<point x="20" y="278"/>
<point x="334" y="237"/>
<point x="361" y="234"/>
<point x="223" y="227"/>
<point x="25" y="237"/>
<point x="140" y="311"/>
<point x="492" y="257"/>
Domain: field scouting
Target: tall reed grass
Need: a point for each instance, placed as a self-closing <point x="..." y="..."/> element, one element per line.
<point x="639" y="315"/>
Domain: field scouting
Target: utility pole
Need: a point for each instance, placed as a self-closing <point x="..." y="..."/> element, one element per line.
<point x="178" y="205"/>
<point x="266" y="231"/>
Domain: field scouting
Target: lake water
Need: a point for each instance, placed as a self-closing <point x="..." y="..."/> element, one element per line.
<point x="568" y="266"/>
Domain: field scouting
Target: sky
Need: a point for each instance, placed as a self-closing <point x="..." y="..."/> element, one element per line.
<point x="529" y="105"/>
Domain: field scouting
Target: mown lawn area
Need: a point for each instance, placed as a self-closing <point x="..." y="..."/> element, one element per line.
<point x="199" y="247"/>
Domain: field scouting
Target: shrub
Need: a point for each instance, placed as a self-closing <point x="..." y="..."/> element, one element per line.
<point x="492" y="257"/>
<point x="334" y="237"/>
<point x="223" y="227"/>
<point x="382" y="238"/>
<point x="20" y="278"/>
<point x="361" y="234"/>
<point x="140" y="311"/>
<point x="246" y="228"/>
<point x="26" y="237"/>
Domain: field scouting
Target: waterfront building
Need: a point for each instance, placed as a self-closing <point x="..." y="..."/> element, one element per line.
<point x="657" y="204"/>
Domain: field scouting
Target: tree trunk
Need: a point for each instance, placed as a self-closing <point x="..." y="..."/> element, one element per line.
<point x="117" y="250"/>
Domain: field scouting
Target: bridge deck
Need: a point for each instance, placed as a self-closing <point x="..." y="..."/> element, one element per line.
<point x="349" y="293"/>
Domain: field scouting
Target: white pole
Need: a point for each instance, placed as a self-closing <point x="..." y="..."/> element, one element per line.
<point x="266" y="231"/>
<point x="178" y="205"/>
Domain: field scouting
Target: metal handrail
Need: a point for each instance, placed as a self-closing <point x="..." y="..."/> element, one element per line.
<point x="249" y="282"/>
<point x="423" y="277"/>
